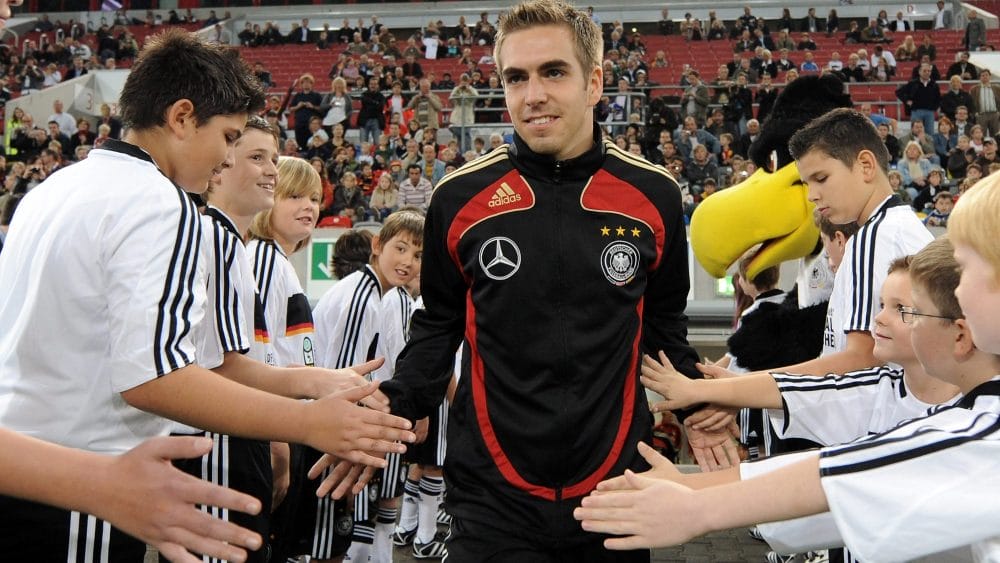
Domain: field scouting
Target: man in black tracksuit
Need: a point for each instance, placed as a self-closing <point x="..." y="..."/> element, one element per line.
<point x="559" y="259"/>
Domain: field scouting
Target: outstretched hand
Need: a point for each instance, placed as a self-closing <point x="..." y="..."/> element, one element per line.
<point x="340" y="476"/>
<point x="662" y="468"/>
<point x="661" y="377"/>
<point x="336" y="380"/>
<point x="648" y="512"/>
<point x="354" y="433"/>
<point x="152" y="500"/>
<point x="713" y="449"/>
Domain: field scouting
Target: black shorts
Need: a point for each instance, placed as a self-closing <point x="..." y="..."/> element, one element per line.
<point x="243" y="465"/>
<point x="432" y="450"/>
<point x="472" y="542"/>
<point x="323" y="526"/>
<point x="30" y="531"/>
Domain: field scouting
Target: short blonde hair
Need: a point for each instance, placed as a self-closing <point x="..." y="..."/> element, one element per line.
<point x="589" y="45"/>
<point x="296" y="178"/>
<point x="975" y="221"/>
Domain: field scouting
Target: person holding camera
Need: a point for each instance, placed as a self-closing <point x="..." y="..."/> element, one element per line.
<point x="463" y="111"/>
<point x="31" y="77"/>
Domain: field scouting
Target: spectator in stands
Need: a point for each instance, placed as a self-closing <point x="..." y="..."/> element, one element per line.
<point x="963" y="68"/>
<point x="762" y="40"/>
<point x="944" y="139"/>
<point x="874" y="33"/>
<point x="82" y="136"/>
<point x="907" y="50"/>
<point x="665" y="25"/>
<point x="745" y="42"/>
<point x="303" y="106"/>
<point x="785" y="21"/>
<point x="927" y="48"/>
<point x="811" y="23"/>
<point x="318" y="144"/>
<point x="989" y="155"/>
<point x="430" y="166"/>
<point x="986" y="103"/>
<point x="65" y="121"/>
<point x="783" y="63"/>
<point x="31" y="77"/>
<point x="348" y="200"/>
<point x="56" y="134"/>
<point x="960" y="157"/>
<point x="852" y="71"/>
<point x="914" y="168"/>
<point x="926" y="60"/>
<point x="103" y="134"/>
<point x="690" y="136"/>
<point x="695" y="99"/>
<point x="881" y="71"/>
<point x="739" y="107"/>
<point x="371" y="116"/>
<point x="921" y="97"/>
<point x="835" y="64"/>
<point x="128" y="47"/>
<point x="806" y="43"/>
<point x="385" y="197"/>
<point x="51" y="74"/>
<point x="880" y="53"/>
<point x="426" y="105"/>
<point x="890" y="140"/>
<point x="765" y="97"/>
<point x="415" y="190"/>
<point x="963" y="121"/>
<point x="747" y="21"/>
<point x="942" y="17"/>
<point x="716" y="31"/>
<point x="975" y="31"/>
<point x="976" y="136"/>
<point x="463" y="113"/>
<point x="746" y="139"/>
<point x="300" y="34"/>
<point x="809" y="65"/>
<point x="853" y="34"/>
<point x="784" y="42"/>
<point x="767" y="66"/>
<point x="411" y="68"/>
<point x="900" y="24"/>
<point x="955" y="97"/>
<point x="246" y="36"/>
<point x="699" y="168"/>
<point x="919" y="135"/>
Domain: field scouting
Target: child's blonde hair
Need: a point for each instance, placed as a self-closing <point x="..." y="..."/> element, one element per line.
<point x="296" y="178"/>
<point x="975" y="221"/>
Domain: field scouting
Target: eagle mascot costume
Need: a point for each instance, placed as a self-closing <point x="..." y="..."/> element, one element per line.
<point x="771" y="210"/>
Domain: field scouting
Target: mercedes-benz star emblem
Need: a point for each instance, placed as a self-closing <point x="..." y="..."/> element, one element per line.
<point x="500" y="258"/>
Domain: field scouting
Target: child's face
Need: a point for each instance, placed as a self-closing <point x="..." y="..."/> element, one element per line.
<point x="397" y="261"/>
<point x="839" y="192"/>
<point x="978" y="294"/>
<point x="973" y="173"/>
<point x="892" y="335"/>
<point x="204" y="152"/>
<point x="943" y="205"/>
<point x="248" y="186"/>
<point x="293" y="218"/>
<point x="932" y="338"/>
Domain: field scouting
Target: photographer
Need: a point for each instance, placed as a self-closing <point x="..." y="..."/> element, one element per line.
<point x="463" y="111"/>
<point x="34" y="174"/>
<point x="28" y="140"/>
<point x="31" y="77"/>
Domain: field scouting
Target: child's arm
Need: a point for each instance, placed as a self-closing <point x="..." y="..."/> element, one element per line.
<point x="139" y="492"/>
<point x="663" y="469"/>
<point x="333" y="424"/>
<point x="755" y="391"/>
<point x="301" y="382"/>
<point x="657" y="513"/>
<point x="856" y="355"/>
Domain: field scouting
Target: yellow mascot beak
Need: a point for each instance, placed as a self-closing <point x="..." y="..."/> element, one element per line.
<point x="771" y="209"/>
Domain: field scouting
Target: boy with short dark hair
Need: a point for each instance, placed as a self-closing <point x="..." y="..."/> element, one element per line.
<point x="845" y="164"/>
<point x="104" y="268"/>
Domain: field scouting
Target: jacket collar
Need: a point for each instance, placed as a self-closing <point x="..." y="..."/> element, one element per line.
<point x="547" y="168"/>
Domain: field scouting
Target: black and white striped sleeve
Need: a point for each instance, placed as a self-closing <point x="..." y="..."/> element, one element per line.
<point x="156" y="293"/>
<point x="892" y="496"/>
<point x="831" y="409"/>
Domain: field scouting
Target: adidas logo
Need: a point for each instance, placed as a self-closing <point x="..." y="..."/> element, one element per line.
<point x="504" y="196"/>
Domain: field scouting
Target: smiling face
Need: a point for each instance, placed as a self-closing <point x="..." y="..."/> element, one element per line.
<point x="247" y="187"/>
<point x="397" y="261"/>
<point x="294" y="217"/>
<point x="550" y="96"/>
<point x="892" y="335"/>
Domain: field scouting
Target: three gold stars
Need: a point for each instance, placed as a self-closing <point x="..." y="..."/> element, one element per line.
<point x="620" y="231"/>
